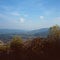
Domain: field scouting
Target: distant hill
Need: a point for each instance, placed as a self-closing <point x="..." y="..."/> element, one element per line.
<point x="11" y="31"/>
<point x="40" y="32"/>
<point x="7" y="34"/>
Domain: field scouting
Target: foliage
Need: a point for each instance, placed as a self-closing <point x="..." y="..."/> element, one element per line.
<point x="54" y="32"/>
<point x="36" y="49"/>
<point x="16" y="42"/>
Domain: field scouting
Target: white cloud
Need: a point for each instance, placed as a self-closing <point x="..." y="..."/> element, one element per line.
<point x="22" y="20"/>
<point x="41" y="17"/>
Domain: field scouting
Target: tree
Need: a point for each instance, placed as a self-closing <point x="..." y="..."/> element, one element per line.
<point x="16" y="48"/>
<point x="54" y="32"/>
<point x="16" y="43"/>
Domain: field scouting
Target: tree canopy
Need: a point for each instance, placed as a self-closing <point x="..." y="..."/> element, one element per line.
<point x="54" y="32"/>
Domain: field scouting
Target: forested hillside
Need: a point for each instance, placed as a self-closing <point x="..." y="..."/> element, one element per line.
<point x="35" y="49"/>
<point x="7" y="34"/>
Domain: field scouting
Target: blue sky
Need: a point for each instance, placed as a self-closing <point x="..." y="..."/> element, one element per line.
<point x="29" y="14"/>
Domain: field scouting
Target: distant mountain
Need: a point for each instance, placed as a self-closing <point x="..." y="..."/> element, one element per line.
<point x="11" y="31"/>
<point x="40" y="32"/>
<point x="7" y="34"/>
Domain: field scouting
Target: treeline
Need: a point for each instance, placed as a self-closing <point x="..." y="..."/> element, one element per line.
<point x="36" y="49"/>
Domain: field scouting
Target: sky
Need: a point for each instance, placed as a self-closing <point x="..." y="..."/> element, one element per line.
<point x="29" y="14"/>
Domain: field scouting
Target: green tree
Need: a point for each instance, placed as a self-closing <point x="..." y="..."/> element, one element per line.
<point x="16" y="43"/>
<point x="16" y="48"/>
<point x="54" y="32"/>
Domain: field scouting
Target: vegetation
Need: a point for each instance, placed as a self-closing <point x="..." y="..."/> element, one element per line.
<point x="36" y="49"/>
<point x="16" y="42"/>
<point x="54" y="32"/>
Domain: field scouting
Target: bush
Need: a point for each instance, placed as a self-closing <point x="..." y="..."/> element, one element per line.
<point x="16" y="43"/>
